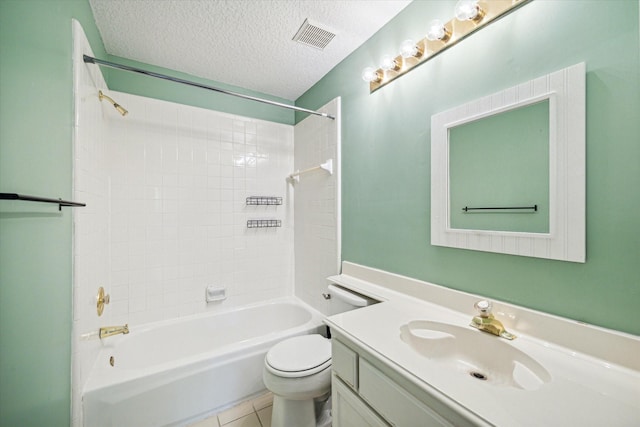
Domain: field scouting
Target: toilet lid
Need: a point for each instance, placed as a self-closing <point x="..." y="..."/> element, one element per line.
<point x="300" y="356"/>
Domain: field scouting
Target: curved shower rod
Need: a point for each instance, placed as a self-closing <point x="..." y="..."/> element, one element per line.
<point x="90" y="60"/>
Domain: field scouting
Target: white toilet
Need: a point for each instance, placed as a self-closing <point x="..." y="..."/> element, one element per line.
<point x="298" y="371"/>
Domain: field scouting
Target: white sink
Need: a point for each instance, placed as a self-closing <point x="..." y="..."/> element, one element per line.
<point x="477" y="354"/>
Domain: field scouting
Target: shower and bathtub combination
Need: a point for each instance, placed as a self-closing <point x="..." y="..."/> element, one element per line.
<point x="170" y="372"/>
<point x="167" y="188"/>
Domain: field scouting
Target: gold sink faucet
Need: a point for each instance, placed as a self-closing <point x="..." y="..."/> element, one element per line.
<point x="485" y="321"/>
<point x="108" y="331"/>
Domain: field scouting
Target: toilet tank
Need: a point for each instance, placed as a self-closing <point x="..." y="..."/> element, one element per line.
<point x="343" y="299"/>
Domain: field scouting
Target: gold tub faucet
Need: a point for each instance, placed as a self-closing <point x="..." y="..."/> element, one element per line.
<point x="108" y="331"/>
<point x="485" y="321"/>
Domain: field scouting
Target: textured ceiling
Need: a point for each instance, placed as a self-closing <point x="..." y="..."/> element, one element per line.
<point x="246" y="43"/>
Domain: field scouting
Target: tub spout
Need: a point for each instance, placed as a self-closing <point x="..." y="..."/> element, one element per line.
<point x="108" y="331"/>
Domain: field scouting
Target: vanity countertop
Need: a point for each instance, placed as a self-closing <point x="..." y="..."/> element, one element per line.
<point x="583" y="390"/>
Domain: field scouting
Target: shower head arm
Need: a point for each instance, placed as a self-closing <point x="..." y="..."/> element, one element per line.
<point x="117" y="106"/>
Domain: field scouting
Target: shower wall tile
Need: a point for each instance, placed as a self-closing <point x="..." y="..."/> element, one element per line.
<point x="165" y="189"/>
<point x="91" y="225"/>
<point x="175" y="180"/>
<point x="317" y="228"/>
<point x="166" y="216"/>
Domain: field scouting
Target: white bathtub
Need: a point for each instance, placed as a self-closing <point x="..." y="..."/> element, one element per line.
<point x="170" y="373"/>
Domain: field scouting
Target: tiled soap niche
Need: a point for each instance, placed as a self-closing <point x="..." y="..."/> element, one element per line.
<point x="264" y="201"/>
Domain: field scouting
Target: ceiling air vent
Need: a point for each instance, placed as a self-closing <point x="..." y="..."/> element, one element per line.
<point x="313" y="35"/>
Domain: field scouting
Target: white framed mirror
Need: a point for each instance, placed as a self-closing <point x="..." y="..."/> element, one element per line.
<point x="508" y="170"/>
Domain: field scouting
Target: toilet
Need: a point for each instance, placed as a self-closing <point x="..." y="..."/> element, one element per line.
<point x="297" y="371"/>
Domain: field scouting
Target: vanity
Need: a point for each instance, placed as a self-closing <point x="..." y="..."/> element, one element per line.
<point x="414" y="360"/>
<point x="367" y="392"/>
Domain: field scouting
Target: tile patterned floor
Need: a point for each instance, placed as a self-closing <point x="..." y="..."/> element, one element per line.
<point x="252" y="413"/>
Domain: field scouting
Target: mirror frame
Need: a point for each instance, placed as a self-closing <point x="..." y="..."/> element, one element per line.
<point x="566" y="239"/>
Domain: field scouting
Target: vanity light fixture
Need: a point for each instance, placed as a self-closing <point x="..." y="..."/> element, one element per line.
<point x="371" y="75"/>
<point x="436" y="30"/>
<point x="469" y="17"/>
<point x="469" y="10"/>
<point x="388" y="63"/>
<point x="409" y="49"/>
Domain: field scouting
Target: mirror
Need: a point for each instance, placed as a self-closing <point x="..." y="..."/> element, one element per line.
<point x="501" y="183"/>
<point x="508" y="170"/>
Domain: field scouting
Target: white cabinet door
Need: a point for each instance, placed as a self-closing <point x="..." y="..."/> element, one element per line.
<point x="349" y="411"/>
<point x="344" y="363"/>
<point x="394" y="403"/>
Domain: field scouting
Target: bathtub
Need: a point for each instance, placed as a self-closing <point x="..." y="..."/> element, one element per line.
<point x="173" y="372"/>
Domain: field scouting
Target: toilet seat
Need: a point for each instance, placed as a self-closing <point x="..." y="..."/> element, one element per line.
<point x="299" y="356"/>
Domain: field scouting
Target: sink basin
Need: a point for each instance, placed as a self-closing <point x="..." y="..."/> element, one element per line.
<point x="480" y="356"/>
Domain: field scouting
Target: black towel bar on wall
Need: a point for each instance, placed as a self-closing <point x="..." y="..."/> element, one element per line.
<point x="59" y="202"/>
<point x="533" y="208"/>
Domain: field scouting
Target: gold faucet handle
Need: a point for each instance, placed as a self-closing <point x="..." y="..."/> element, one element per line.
<point x="101" y="299"/>
<point x="484" y="307"/>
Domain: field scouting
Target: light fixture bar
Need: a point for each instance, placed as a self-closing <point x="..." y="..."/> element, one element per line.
<point x="456" y="30"/>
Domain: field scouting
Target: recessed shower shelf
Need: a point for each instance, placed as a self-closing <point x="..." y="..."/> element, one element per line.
<point x="263" y="201"/>
<point x="264" y="223"/>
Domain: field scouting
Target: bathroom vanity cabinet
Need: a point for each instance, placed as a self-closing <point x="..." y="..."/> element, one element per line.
<point x="368" y="391"/>
<point x="395" y="363"/>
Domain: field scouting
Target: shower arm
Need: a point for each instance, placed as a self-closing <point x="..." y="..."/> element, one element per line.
<point x="90" y="60"/>
<point x="117" y="106"/>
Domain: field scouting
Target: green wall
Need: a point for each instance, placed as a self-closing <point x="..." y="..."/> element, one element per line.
<point x="385" y="175"/>
<point x="386" y="153"/>
<point x="169" y="91"/>
<point x="36" y="121"/>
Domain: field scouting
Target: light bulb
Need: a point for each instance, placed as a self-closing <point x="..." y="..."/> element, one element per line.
<point x="467" y="10"/>
<point x="437" y="31"/>
<point x="370" y="75"/>
<point x="408" y="49"/>
<point x="388" y="62"/>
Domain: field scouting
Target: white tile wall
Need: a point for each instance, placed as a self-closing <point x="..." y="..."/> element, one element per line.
<point x="166" y="216"/>
<point x="317" y="206"/>
<point x="165" y="189"/>
<point x="90" y="222"/>
<point x="177" y="181"/>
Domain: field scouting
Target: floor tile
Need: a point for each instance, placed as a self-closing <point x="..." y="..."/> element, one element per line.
<point x="263" y="401"/>
<point x="209" y="422"/>
<point x="265" y="416"/>
<point x="243" y="409"/>
<point x="250" y="420"/>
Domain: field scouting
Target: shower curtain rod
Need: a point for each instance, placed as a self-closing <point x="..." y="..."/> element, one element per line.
<point x="90" y="60"/>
